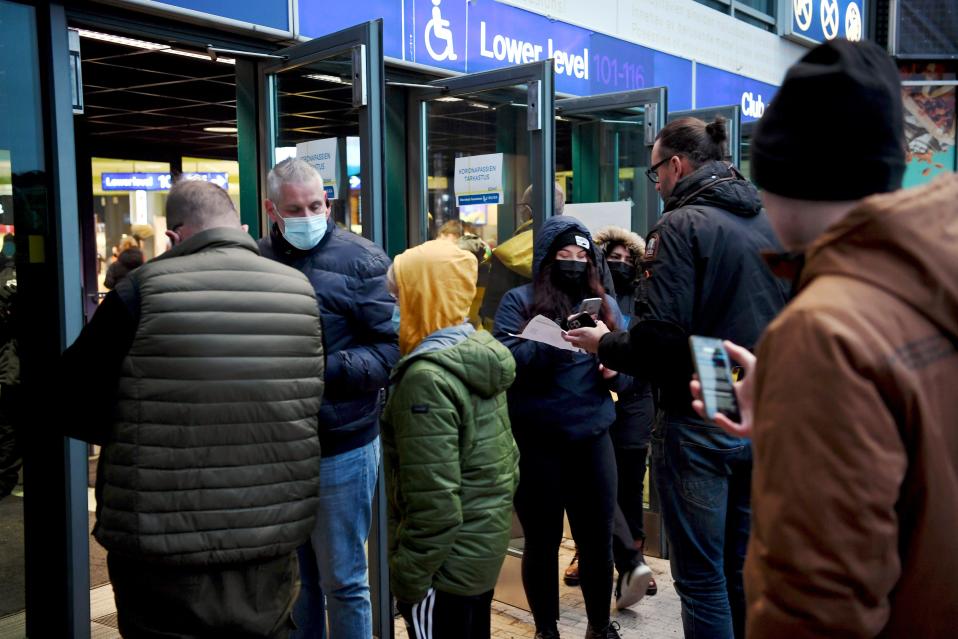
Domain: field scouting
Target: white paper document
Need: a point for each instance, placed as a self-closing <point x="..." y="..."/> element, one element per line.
<point x="542" y="329"/>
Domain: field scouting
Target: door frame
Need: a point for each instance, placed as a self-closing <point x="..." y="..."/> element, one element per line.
<point x="364" y="43"/>
<point x="655" y="101"/>
<point x="539" y="79"/>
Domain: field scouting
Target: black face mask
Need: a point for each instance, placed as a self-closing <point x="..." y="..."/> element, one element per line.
<point x="623" y="276"/>
<point x="570" y="276"/>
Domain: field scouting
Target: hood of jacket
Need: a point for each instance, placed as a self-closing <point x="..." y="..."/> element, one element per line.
<point x="437" y="284"/>
<point x="633" y="242"/>
<point x="553" y="228"/>
<point x="902" y="242"/>
<point x="716" y="184"/>
<point x="476" y="358"/>
<point x="516" y="252"/>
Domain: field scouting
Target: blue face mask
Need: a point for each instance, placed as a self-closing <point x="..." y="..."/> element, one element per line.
<point x="304" y="232"/>
<point x="395" y="319"/>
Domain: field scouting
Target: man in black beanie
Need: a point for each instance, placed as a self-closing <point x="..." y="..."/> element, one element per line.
<point x="852" y="406"/>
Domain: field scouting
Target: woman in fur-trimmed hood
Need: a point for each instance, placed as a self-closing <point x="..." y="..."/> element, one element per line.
<point x="623" y="270"/>
<point x="631" y="431"/>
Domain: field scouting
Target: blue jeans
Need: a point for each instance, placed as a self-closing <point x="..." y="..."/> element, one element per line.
<point x="703" y="477"/>
<point x="332" y="566"/>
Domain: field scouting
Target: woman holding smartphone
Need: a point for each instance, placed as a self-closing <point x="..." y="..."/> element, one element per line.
<point x="561" y="411"/>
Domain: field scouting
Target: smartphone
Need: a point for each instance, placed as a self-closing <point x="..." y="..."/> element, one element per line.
<point x="591" y="305"/>
<point x="715" y="374"/>
<point x="579" y="320"/>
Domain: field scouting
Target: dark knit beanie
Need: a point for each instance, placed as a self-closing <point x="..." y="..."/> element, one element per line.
<point x="835" y="129"/>
<point x="573" y="237"/>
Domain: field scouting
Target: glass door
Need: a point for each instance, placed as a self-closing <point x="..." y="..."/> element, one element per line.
<point x="733" y="117"/>
<point x="323" y="102"/>
<point x="481" y="142"/>
<point x="482" y="173"/>
<point x="603" y="147"/>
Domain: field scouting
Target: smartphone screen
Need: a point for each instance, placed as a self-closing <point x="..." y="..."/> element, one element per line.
<point x="715" y="374"/>
<point x="591" y="305"/>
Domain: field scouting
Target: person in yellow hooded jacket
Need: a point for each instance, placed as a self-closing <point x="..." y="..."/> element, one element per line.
<point x="451" y="460"/>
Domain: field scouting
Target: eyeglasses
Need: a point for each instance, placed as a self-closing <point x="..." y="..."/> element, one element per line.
<point x="652" y="171"/>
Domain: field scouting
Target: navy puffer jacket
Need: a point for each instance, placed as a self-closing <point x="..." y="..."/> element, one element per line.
<point x="348" y="273"/>
<point x="556" y="391"/>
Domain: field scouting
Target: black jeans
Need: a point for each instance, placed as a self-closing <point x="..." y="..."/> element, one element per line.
<point x="235" y="600"/>
<point x="442" y="615"/>
<point x="578" y="477"/>
<point x="630" y="466"/>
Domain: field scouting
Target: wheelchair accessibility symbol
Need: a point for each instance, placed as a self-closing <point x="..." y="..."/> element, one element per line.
<point x="439" y="28"/>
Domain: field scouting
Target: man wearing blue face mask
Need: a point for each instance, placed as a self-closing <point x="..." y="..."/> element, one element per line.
<point x="348" y="274"/>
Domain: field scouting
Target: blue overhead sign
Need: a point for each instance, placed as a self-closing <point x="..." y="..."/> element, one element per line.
<point x="480" y="35"/>
<point x="321" y="17"/>
<point x="715" y="87"/>
<point x="267" y="13"/>
<point x="815" y="21"/>
<point x="157" y="181"/>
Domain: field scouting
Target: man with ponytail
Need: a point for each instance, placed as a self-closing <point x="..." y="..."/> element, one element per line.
<point x="701" y="274"/>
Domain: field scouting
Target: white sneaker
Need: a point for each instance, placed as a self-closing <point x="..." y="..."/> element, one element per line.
<point x="631" y="587"/>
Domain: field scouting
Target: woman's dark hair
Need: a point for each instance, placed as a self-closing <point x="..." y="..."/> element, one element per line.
<point x="552" y="302"/>
<point x="696" y="140"/>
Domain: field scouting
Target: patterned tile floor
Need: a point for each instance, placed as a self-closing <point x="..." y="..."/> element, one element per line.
<point x="657" y="617"/>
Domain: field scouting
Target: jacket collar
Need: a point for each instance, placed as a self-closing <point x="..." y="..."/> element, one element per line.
<point x="717" y="184"/>
<point x="219" y="237"/>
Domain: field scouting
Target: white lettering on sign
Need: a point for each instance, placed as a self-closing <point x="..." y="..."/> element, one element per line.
<point x="132" y="182"/>
<point x="506" y="48"/>
<point x="322" y="155"/>
<point x="515" y="51"/>
<point x="478" y="179"/>
<point x="752" y="106"/>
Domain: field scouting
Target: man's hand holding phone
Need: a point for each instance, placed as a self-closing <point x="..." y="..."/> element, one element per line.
<point x="744" y="394"/>
<point x="587" y="338"/>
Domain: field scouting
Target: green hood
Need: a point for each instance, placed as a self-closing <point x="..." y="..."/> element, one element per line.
<point x="479" y="361"/>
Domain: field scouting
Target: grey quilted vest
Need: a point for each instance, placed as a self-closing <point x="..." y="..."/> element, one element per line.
<point x="214" y="454"/>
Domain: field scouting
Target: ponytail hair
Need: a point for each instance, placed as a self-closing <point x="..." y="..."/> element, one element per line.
<point x="697" y="141"/>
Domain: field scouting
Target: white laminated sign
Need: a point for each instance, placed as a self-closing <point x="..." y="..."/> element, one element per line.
<point x="478" y="179"/>
<point x="322" y="155"/>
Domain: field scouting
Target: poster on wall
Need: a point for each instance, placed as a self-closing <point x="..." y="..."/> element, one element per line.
<point x="478" y="179"/>
<point x="323" y="156"/>
<point x="930" y="130"/>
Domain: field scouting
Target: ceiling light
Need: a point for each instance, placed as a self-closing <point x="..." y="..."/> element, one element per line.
<point x="130" y="42"/>
<point x="220" y="129"/>
<point x="448" y="98"/>
<point x="198" y="56"/>
<point x="327" y="78"/>
<point x="148" y="46"/>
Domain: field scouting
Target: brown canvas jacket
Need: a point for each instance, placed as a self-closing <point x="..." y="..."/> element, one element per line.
<point x="855" y="486"/>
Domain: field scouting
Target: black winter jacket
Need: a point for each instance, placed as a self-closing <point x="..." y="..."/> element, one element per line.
<point x="348" y="273"/>
<point x="703" y="274"/>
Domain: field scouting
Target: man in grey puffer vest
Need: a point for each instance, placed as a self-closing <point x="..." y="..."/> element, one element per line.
<point x="208" y="476"/>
